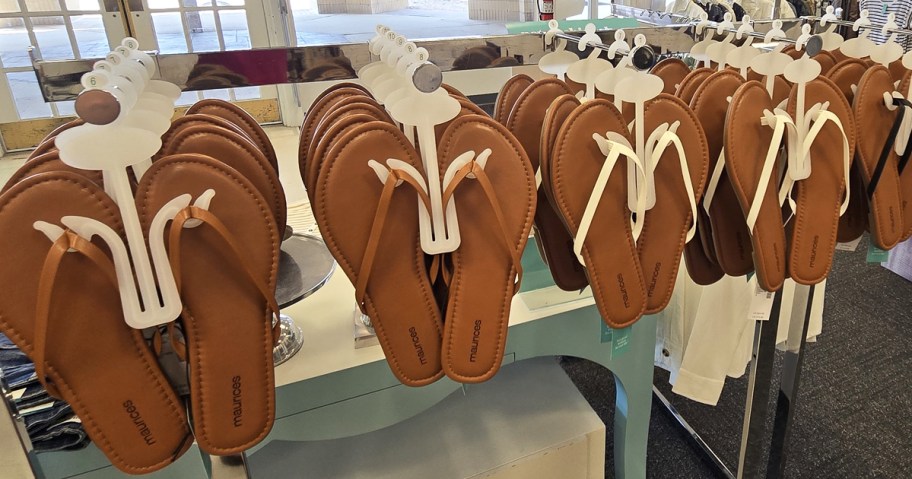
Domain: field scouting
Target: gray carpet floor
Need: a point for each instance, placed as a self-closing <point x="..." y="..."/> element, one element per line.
<point x="854" y="404"/>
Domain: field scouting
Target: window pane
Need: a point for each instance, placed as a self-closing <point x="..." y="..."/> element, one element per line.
<point x="90" y="36"/>
<point x="83" y="5"/>
<point x="230" y="3"/>
<point x="220" y="94"/>
<point x="247" y="93"/>
<point x="202" y="31"/>
<point x="53" y="39"/>
<point x="66" y="108"/>
<point x="14" y="46"/>
<point x="234" y="29"/>
<point x="27" y="95"/>
<point x="160" y="4"/>
<point x="197" y="3"/>
<point x="188" y="98"/>
<point x="42" y="5"/>
<point x="9" y="6"/>
<point x="170" y="32"/>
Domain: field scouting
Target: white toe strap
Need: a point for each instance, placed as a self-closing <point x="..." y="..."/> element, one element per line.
<point x="670" y="137"/>
<point x="612" y="151"/>
<point x="710" y="192"/>
<point x="779" y="121"/>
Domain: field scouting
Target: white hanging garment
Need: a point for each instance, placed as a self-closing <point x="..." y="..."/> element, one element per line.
<point x="878" y="10"/>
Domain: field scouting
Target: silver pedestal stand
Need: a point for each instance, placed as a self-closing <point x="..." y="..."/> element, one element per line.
<point x="305" y="265"/>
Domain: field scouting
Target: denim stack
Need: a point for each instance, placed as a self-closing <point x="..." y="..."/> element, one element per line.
<point x="50" y="422"/>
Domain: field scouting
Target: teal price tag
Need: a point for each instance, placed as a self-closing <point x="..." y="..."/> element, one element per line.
<point x="607" y="333"/>
<point x="877" y="255"/>
<point x="620" y="342"/>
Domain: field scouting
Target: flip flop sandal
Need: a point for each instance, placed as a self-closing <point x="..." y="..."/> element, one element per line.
<point x="495" y="194"/>
<point x="689" y="85"/>
<point x="225" y="259"/>
<point x="826" y="60"/>
<point x="681" y="162"/>
<point x="781" y="90"/>
<point x="467" y="109"/>
<point x="821" y="198"/>
<point x="672" y="71"/>
<point x="731" y="241"/>
<point x="61" y="307"/>
<point x="240" y="154"/>
<point x="345" y="108"/>
<point x="46" y="146"/>
<point x="877" y="159"/>
<point x="754" y="182"/>
<point x="589" y="183"/>
<point x="187" y="121"/>
<point x="318" y="110"/>
<point x="50" y="162"/>
<point x="508" y="96"/>
<point x="555" y="245"/>
<point x="897" y="70"/>
<point x="327" y="141"/>
<point x="905" y="173"/>
<point x="379" y="248"/>
<point x="453" y="91"/>
<point x="847" y="73"/>
<point x="243" y="120"/>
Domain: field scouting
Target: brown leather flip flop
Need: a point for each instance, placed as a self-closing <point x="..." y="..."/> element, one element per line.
<point x="905" y="172"/>
<point x="749" y="156"/>
<point x="731" y="240"/>
<point x="672" y="71"/>
<point x="453" y="91"/>
<point x="243" y="120"/>
<point x="847" y="73"/>
<point x="898" y="70"/>
<point x="225" y="261"/>
<point x="508" y="95"/>
<point x="854" y="221"/>
<point x="879" y="170"/>
<point x="371" y="228"/>
<point x="554" y="241"/>
<point x="237" y="152"/>
<point x="608" y="248"/>
<point x="781" y="89"/>
<point x="61" y="307"/>
<point x="819" y="197"/>
<point x="50" y="162"/>
<point x="348" y="107"/>
<point x="187" y="121"/>
<point x="467" y="108"/>
<point x="321" y="106"/>
<point x="689" y="85"/>
<point x="826" y="60"/>
<point x="326" y="142"/>
<point x="667" y="226"/>
<point x="496" y="203"/>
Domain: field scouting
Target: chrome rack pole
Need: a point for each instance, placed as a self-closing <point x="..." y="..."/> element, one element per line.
<point x="846" y="23"/>
<point x="787" y="401"/>
<point x="642" y="58"/>
<point x="230" y="467"/>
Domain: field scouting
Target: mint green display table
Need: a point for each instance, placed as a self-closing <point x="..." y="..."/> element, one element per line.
<point x="331" y="390"/>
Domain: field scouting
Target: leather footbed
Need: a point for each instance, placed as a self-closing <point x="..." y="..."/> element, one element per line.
<point x="482" y="285"/>
<point x="614" y="273"/>
<point x="50" y="162"/>
<point x="664" y="233"/>
<point x="689" y="85"/>
<point x="227" y="323"/>
<point x="243" y="120"/>
<point x="347" y="107"/>
<point x="872" y="117"/>
<point x="240" y="154"/>
<point x="905" y="177"/>
<point x="129" y="411"/>
<point x="672" y="71"/>
<point x="819" y="197"/>
<point x="731" y="240"/>
<point x="508" y="95"/>
<point x="854" y="221"/>
<point x="187" y="121"/>
<point x="566" y="270"/>
<point x="399" y="299"/>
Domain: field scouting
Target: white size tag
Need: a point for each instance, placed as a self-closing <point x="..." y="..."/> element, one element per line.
<point x="761" y="305"/>
<point x="850" y="246"/>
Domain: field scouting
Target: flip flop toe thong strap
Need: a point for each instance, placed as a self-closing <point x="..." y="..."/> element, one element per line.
<point x="68" y="242"/>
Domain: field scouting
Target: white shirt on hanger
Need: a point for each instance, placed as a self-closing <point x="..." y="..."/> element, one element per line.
<point x="686" y="8"/>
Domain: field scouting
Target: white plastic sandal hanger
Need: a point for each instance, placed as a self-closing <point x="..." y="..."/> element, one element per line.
<point x="773" y="63"/>
<point x="638" y="89"/>
<point x="698" y="51"/>
<point x="439" y="228"/>
<point x="587" y="70"/>
<point x="860" y="46"/>
<point x="905" y="130"/>
<point x="831" y="39"/>
<point x="111" y="148"/>
<point x="890" y="50"/>
<point x="558" y="61"/>
<point x="718" y="51"/>
<point x="608" y="80"/>
<point x="741" y="57"/>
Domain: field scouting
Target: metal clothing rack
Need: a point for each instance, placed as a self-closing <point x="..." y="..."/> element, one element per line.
<point x="60" y="80"/>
